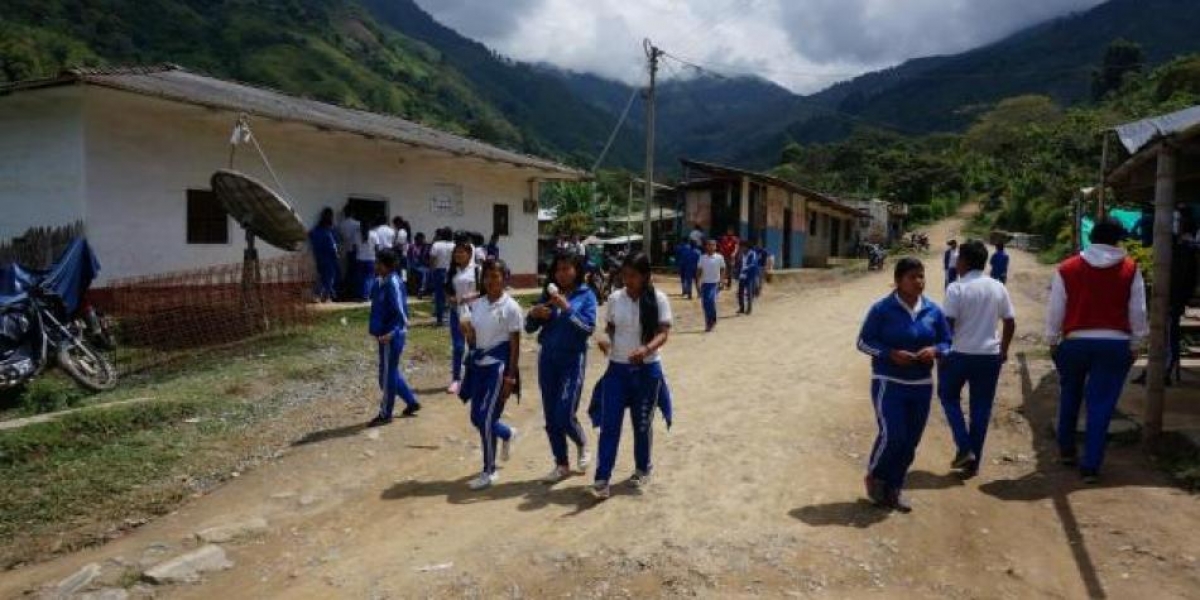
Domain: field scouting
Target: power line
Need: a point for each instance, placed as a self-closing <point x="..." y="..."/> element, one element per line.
<point x="613" y="136"/>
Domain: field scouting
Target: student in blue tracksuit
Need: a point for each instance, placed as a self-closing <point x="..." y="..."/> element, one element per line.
<point x="904" y="334"/>
<point x="493" y="329"/>
<point x="323" y="241"/>
<point x="389" y="326"/>
<point x="638" y="322"/>
<point x="462" y="288"/>
<point x="999" y="264"/>
<point x="687" y="258"/>
<point x="748" y="270"/>
<point x="566" y="317"/>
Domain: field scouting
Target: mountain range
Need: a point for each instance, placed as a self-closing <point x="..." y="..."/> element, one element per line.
<point x="392" y="56"/>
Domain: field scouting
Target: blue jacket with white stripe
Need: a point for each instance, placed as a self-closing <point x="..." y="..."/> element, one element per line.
<point x="567" y="331"/>
<point x="891" y="326"/>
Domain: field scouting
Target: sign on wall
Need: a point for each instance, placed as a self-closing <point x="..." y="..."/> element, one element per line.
<point x="446" y="200"/>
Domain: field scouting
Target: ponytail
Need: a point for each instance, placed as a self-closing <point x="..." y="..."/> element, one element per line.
<point x="648" y="303"/>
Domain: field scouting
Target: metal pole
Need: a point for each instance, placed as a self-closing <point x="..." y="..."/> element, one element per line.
<point x="653" y="54"/>
<point x="1156" y="368"/>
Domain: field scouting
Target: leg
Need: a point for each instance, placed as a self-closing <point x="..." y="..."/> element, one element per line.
<point x="984" y="377"/>
<point x="953" y="375"/>
<point x="708" y="297"/>
<point x="1111" y="360"/>
<point x="551" y="385"/>
<point x="458" y="346"/>
<point x="917" y="400"/>
<point x="641" y="415"/>
<point x="741" y="295"/>
<point x="396" y="378"/>
<point x="438" y="281"/>
<point x="483" y="405"/>
<point x="612" y="412"/>
<point x="1073" y="363"/>
<point x="368" y="275"/>
<point x="387" y="401"/>
<point x="573" y="393"/>
<point x="889" y="456"/>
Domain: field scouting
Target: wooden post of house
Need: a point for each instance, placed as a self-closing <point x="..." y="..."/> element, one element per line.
<point x="1156" y="370"/>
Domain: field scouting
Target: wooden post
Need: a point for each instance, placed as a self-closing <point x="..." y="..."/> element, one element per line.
<point x="1164" y="216"/>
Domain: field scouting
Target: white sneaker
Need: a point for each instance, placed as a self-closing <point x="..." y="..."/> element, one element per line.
<point x="483" y="482"/>
<point x="639" y="480"/>
<point x="558" y="474"/>
<point x="601" y="490"/>
<point x="506" y="445"/>
<point x="585" y="460"/>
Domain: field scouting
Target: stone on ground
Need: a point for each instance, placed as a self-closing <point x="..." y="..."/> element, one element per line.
<point x="189" y="567"/>
<point x="231" y="531"/>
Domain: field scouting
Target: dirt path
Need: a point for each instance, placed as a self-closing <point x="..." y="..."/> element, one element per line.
<point x="757" y="493"/>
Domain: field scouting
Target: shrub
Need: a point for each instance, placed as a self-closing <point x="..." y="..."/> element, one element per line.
<point x="51" y="394"/>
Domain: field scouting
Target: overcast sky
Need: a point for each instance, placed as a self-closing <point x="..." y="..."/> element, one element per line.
<point x="805" y="45"/>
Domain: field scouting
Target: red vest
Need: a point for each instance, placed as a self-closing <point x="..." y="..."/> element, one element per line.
<point x="1097" y="298"/>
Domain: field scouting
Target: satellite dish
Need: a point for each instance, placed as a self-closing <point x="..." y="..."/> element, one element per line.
<point x="259" y="210"/>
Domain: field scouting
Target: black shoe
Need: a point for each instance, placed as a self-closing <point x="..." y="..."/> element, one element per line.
<point x="970" y="470"/>
<point x="1068" y="458"/>
<point x="962" y="460"/>
<point x="876" y="491"/>
<point x="379" y="422"/>
<point x="899" y="503"/>
<point x="411" y="410"/>
<point x="1089" y="476"/>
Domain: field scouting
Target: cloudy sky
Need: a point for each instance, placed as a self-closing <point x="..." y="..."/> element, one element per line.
<point x="802" y="44"/>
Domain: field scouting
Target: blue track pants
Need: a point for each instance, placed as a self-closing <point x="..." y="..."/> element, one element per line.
<point x="708" y="298"/>
<point x="633" y="387"/>
<point x="1090" y="372"/>
<point x="458" y="346"/>
<point x="901" y="412"/>
<point x="437" y="280"/>
<point x="391" y="377"/>
<point x="981" y="373"/>
<point x="560" y="377"/>
<point x="687" y="277"/>
<point x="486" y="410"/>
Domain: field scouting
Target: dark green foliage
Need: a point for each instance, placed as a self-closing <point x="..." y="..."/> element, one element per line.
<point x="1122" y="59"/>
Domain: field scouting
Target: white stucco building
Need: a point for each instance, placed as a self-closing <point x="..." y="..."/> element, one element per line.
<point x="129" y="152"/>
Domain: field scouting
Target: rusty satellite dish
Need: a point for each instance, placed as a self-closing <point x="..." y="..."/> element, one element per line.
<point x="259" y="210"/>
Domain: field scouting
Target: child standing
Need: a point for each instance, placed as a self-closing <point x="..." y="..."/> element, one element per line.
<point x="747" y="278"/>
<point x="687" y="257"/>
<point x="638" y="322"/>
<point x="462" y="288"/>
<point x="566" y="316"/>
<point x="492" y="327"/>
<point x="712" y="269"/>
<point x="439" y="259"/>
<point x="389" y="327"/>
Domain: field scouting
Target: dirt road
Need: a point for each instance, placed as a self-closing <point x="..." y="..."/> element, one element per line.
<point x="757" y="492"/>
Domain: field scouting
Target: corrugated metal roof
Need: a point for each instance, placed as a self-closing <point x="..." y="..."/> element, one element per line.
<point x="827" y="200"/>
<point x="174" y="83"/>
<point x="1139" y="134"/>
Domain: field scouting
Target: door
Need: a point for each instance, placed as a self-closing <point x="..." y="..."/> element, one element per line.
<point x="369" y="212"/>
<point x="835" y="236"/>
<point x="787" y="238"/>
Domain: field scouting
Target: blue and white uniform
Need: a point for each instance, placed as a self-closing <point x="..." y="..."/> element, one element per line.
<point x="464" y="286"/>
<point x="901" y="394"/>
<point x="324" y="245"/>
<point x="999" y="264"/>
<point x="688" y="258"/>
<point x="388" y="316"/>
<point x="494" y="324"/>
<point x="710" y="268"/>
<point x="561" y="365"/>
<point x="748" y="274"/>
<point x="639" y="388"/>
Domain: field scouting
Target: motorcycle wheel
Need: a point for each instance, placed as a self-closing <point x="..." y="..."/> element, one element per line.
<point x="88" y="367"/>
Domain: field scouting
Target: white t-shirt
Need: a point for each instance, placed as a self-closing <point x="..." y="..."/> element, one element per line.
<point x="625" y="315"/>
<point x="441" y="253"/>
<point x="480" y="254"/>
<point x="386" y="236"/>
<point x="710" y="268"/>
<point x="977" y="303"/>
<point x="402" y="239"/>
<point x="366" y="250"/>
<point x="465" y="283"/>
<point x="351" y="233"/>
<point x="495" y="323"/>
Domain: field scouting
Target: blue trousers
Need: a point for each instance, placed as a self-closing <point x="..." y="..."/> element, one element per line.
<point x="1091" y="372"/>
<point x="560" y="377"/>
<point x="458" y="347"/>
<point x="981" y="373"/>
<point x="746" y="291"/>
<point x="486" y="410"/>
<point x="901" y="412"/>
<point x="391" y="377"/>
<point x="708" y="298"/>
<point x="328" y="274"/>
<point x="363" y="277"/>
<point x="633" y="387"/>
<point x="437" y="280"/>
<point x="687" y="277"/>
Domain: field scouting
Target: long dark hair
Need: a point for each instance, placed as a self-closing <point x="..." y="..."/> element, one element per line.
<point x="326" y="219"/>
<point x="561" y="257"/>
<point x="648" y="303"/>
<point x="455" y="269"/>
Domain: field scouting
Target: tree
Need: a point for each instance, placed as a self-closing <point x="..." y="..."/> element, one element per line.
<point x="1122" y="58"/>
<point x="1003" y="132"/>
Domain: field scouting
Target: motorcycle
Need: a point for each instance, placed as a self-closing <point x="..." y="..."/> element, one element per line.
<point x="876" y="256"/>
<point x="45" y="319"/>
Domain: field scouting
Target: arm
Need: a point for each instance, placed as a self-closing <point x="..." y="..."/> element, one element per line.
<point x="1009" y="329"/>
<point x="536" y="318"/>
<point x="944" y="336"/>
<point x="1056" y="310"/>
<point x="869" y="337"/>
<point x="513" y="366"/>
<point x="581" y="313"/>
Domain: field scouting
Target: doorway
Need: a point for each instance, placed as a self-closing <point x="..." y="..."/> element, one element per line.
<point x="369" y="211"/>
<point x="787" y="237"/>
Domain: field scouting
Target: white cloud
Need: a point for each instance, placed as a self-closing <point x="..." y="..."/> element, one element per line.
<point x="802" y="44"/>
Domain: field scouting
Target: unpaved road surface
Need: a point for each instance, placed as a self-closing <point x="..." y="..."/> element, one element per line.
<point x="757" y="492"/>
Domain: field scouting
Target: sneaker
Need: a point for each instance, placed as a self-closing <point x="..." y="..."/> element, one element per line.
<point x="558" y="474"/>
<point x="506" y="445"/>
<point x="1090" y="476"/>
<point x="962" y="460"/>
<point x="875" y="491"/>
<point x="453" y="388"/>
<point x="601" y="490"/>
<point x="483" y="482"/>
<point x="970" y="470"/>
<point x="899" y="502"/>
<point x="584" y="461"/>
<point x="411" y="410"/>
<point x="379" y="421"/>
<point x="639" y="480"/>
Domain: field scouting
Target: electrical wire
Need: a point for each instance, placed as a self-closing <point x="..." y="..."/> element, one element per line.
<point x="620" y="123"/>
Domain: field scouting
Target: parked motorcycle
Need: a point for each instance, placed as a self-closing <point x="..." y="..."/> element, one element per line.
<point x="876" y="257"/>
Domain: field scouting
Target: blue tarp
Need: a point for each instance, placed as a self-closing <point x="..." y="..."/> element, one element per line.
<point x="1127" y="217"/>
<point x="71" y="276"/>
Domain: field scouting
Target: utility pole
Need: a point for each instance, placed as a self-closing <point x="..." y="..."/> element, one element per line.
<point x="653" y="54"/>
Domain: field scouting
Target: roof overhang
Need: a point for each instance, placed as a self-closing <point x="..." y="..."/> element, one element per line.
<point x="723" y="172"/>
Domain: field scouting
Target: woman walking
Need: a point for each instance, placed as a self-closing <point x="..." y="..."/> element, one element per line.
<point x="493" y="328"/>
<point x="323" y="241"/>
<point x="462" y="288"/>
<point x="638" y="323"/>
<point x="566" y="317"/>
<point x="389" y="327"/>
<point x="904" y="334"/>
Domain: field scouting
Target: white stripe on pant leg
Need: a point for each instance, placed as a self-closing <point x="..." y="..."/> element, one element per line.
<point x="387" y="361"/>
<point x="578" y="391"/>
<point x="882" y="421"/>
<point x="489" y="443"/>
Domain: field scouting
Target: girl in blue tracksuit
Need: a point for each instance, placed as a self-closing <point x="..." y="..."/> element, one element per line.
<point x="389" y="327"/>
<point x="638" y="322"/>
<point x="566" y="316"/>
<point x="687" y="257"/>
<point x="747" y="278"/>
<point x="462" y="287"/>
<point x="323" y="242"/>
<point x="904" y="334"/>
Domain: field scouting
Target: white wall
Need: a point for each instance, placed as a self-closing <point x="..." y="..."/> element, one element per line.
<point x="143" y="154"/>
<point x="41" y="160"/>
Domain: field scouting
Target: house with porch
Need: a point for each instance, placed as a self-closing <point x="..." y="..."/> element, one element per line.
<point x="799" y="226"/>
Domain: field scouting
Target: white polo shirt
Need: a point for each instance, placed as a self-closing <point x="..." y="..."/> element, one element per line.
<point x="495" y="322"/>
<point x="710" y="268"/>
<point x="625" y="315"/>
<point x="440" y="254"/>
<point x="386" y="236"/>
<point x="977" y="303"/>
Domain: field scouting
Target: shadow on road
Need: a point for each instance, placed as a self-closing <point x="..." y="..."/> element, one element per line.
<point x="860" y="514"/>
<point x="924" y="480"/>
<point x="535" y="495"/>
<point x="325" y="435"/>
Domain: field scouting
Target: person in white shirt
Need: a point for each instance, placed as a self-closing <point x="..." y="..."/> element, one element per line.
<point x="712" y="272"/>
<point x="493" y="329"/>
<point x="365" y="251"/>
<point x="349" y="237"/>
<point x="439" y="259"/>
<point x="975" y="303"/>
<point x="638" y="323"/>
<point x="462" y="289"/>
<point x="385" y="236"/>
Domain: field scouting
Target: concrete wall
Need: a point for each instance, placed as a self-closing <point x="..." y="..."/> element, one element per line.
<point x="42" y="175"/>
<point x="698" y="209"/>
<point x="818" y="246"/>
<point x="143" y="154"/>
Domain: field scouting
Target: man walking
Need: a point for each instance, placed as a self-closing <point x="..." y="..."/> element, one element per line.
<point x="999" y="264"/>
<point x="1098" y="312"/>
<point x="712" y="271"/>
<point x="974" y="304"/>
<point x="950" y="262"/>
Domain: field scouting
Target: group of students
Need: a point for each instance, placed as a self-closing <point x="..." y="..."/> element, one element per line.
<point x="706" y="266"/>
<point x="1095" y="321"/>
<point x="486" y="325"/>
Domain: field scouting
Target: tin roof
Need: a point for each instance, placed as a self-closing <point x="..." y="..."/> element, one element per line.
<point x="726" y="171"/>
<point x="174" y="83"/>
